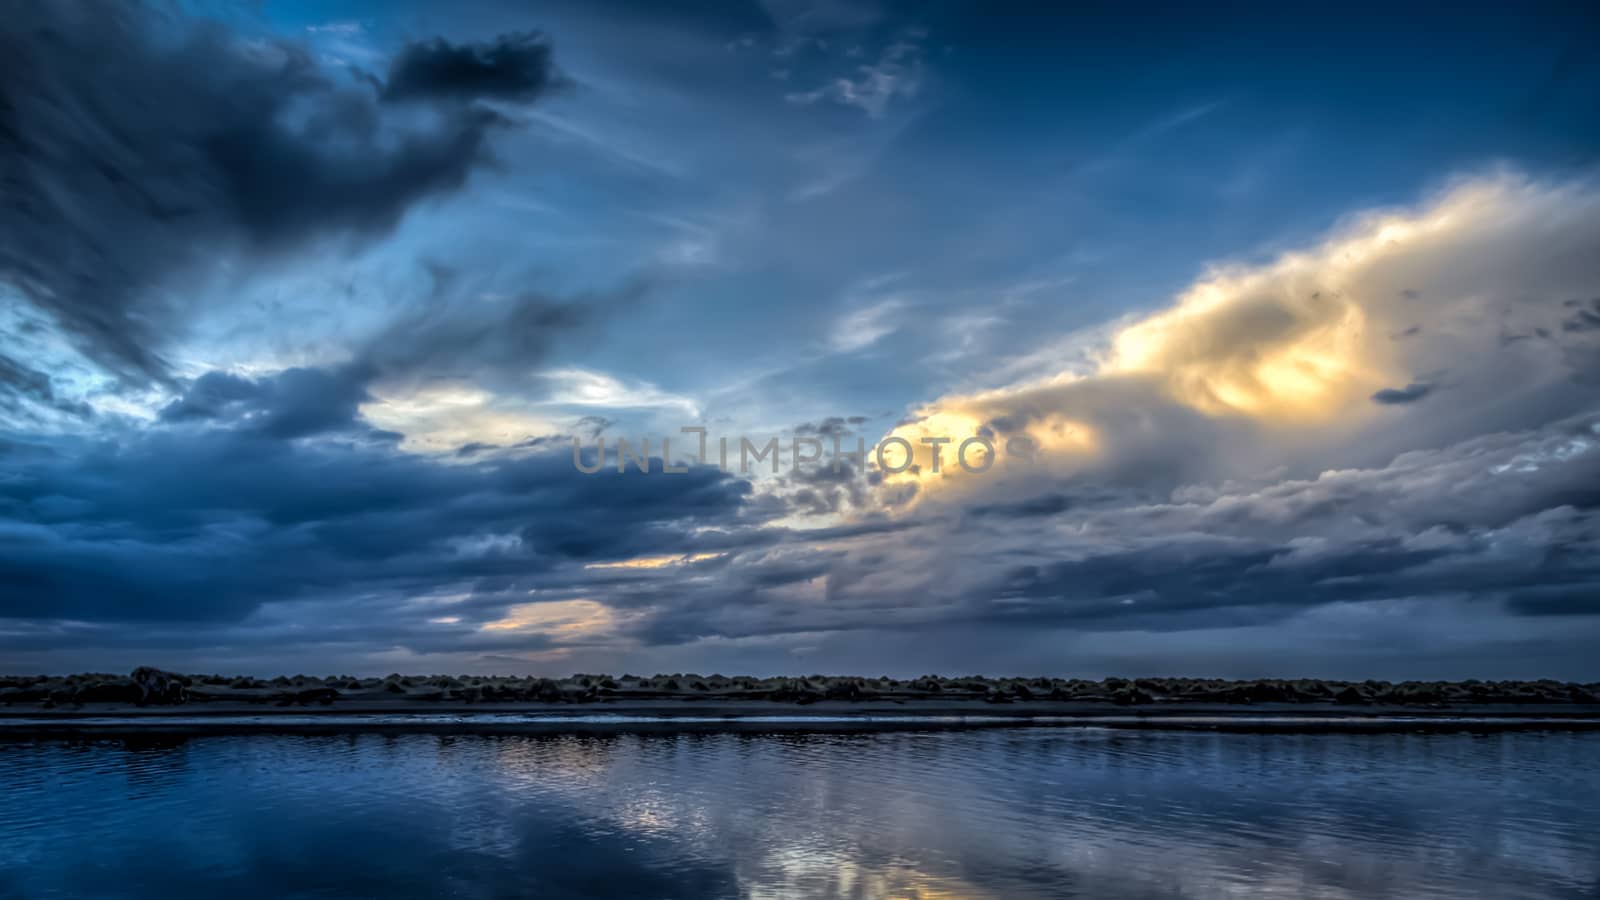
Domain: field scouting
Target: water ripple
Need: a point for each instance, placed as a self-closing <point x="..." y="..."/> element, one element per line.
<point x="1012" y="813"/>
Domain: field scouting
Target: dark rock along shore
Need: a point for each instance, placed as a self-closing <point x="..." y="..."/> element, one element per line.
<point x="147" y="686"/>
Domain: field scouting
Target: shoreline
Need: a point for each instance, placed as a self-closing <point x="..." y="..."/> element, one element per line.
<point x="154" y="700"/>
<point x="826" y="716"/>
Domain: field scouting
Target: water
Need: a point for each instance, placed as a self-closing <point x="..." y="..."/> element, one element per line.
<point x="988" y="813"/>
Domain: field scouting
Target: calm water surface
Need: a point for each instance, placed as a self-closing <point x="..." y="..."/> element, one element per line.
<point x="1007" y="813"/>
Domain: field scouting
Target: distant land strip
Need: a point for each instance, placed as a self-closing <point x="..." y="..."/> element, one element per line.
<point x="154" y="691"/>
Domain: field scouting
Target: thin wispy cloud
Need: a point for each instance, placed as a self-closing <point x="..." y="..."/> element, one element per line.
<point x="578" y="387"/>
<point x="872" y="87"/>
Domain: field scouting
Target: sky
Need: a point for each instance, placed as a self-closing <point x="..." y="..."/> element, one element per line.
<point x="1282" y="328"/>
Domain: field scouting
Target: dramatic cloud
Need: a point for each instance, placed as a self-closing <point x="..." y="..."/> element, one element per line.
<point x="1292" y="363"/>
<point x="268" y="402"/>
<point x="294" y="403"/>
<point x="137" y="148"/>
<point x="512" y="67"/>
<point x="1232" y="463"/>
<point x="21" y="385"/>
<point x="1411" y="393"/>
<point x="269" y="490"/>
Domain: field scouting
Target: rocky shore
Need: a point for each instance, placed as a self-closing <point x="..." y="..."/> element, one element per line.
<point x="153" y="690"/>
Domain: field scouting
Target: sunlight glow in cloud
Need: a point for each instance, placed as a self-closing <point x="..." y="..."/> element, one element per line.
<point x="565" y="618"/>
<point x="442" y="417"/>
<point x="654" y="562"/>
<point x="580" y="387"/>
<point x="1294" y="352"/>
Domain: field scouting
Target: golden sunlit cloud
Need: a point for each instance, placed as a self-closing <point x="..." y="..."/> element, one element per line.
<point x="1297" y="350"/>
<point x="654" y="562"/>
<point x="563" y="618"/>
<point x="957" y="423"/>
<point x="1306" y="361"/>
<point x="441" y="418"/>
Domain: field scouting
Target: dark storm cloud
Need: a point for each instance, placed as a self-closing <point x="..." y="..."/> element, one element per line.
<point x="228" y="506"/>
<point x="1579" y="597"/>
<point x="1585" y="316"/>
<point x="1511" y="521"/>
<point x="1043" y="505"/>
<point x="1508" y="517"/>
<point x="511" y="67"/>
<point x="137" y="147"/>
<point x="294" y="403"/>
<point x="444" y="336"/>
<point x="20" y="384"/>
<point x="1200" y="583"/>
<point x="830" y="427"/>
<point x="823" y="487"/>
<point x="1411" y="393"/>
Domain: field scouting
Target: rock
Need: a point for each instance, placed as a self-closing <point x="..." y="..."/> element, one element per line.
<point x="1313" y="690"/>
<point x="24" y="694"/>
<point x="547" y="690"/>
<point x="121" y="690"/>
<point x="795" y="692"/>
<point x="843" y="690"/>
<point x="1273" y="692"/>
<point x="1413" y="692"/>
<point x="158" y="687"/>
<point x="322" y="695"/>
<point x="206" y="695"/>
<point x="1349" y="696"/>
<point x="1261" y="692"/>
<point x="1130" y="695"/>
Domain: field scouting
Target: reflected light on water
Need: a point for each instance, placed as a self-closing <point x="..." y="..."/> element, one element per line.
<point x="998" y="813"/>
